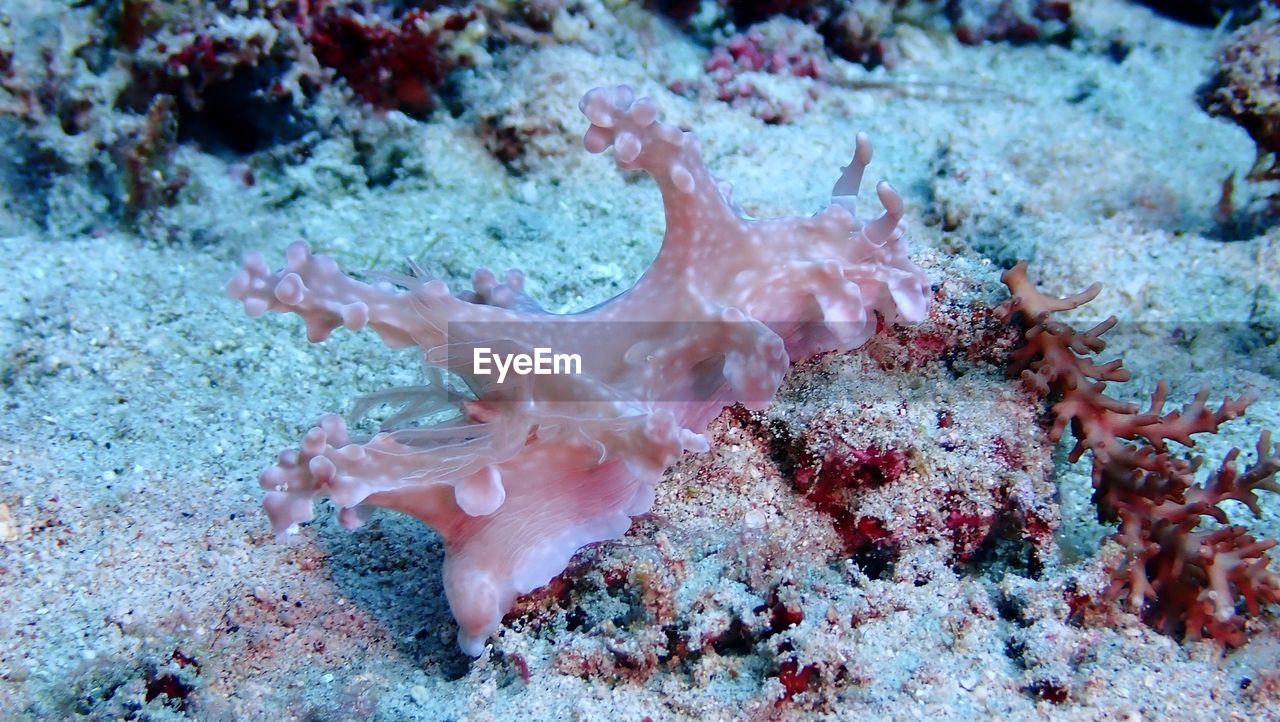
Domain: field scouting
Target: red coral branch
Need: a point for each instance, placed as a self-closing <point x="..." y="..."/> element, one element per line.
<point x="1185" y="579"/>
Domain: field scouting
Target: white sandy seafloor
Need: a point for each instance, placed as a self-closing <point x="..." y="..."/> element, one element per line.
<point x="140" y="406"/>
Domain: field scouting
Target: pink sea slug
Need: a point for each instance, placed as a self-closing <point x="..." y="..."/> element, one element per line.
<point x="521" y="474"/>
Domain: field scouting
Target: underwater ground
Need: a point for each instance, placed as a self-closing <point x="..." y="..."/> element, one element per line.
<point x="895" y="537"/>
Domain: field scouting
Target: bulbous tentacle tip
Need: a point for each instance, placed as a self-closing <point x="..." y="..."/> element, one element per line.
<point x="473" y="599"/>
<point x="850" y="180"/>
<point x="890" y="199"/>
<point x="471" y="645"/>
<point x="481" y="493"/>
<point x="889" y="225"/>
